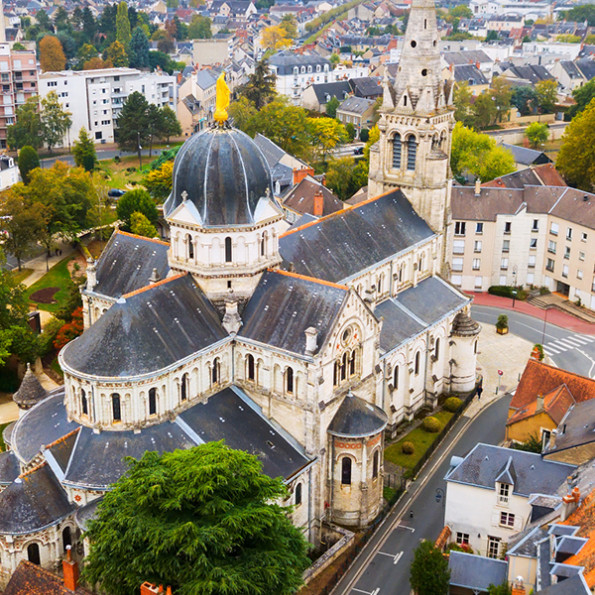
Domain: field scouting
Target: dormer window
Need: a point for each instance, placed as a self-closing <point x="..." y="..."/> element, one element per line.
<point x="503" y="493"/>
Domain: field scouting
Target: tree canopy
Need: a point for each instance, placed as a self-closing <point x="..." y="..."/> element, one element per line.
<point x="159" y="181"/>
<point x="260" y="87"/>
<point x="27" y="128"/>
<point x="84" y="152"/>
<point x="55" y="121"/>
<point x="123" y="34"/>
<point x="138" y="49"/>
<point x="51" y="54"/>
<point x="429" y="574"/>
<point x="537" y="134"/>
<point x="203" y="520"/>
<point x="136" y="201"/>
<point x="200" y="27"/>
<point x="583" y="96"/>
<point x="28" y="160"/>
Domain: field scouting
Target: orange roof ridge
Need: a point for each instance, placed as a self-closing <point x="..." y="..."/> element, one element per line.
<point x="63" y="438"/>
<point x="306" y="278"/>
<point x="566" y="372"/>
<point x="153" y="285"/>
<point x="337" y="213"/>
<point x="134" y="235"/>
<point x="33" y="470"/>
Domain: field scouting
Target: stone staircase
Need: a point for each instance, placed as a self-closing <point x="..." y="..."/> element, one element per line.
<point x="553" y="300"/>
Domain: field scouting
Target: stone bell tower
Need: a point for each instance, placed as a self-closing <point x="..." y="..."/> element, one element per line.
<point x="416" y="124"/>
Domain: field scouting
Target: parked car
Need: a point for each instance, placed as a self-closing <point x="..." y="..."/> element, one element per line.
<point x="116" y="192"/>
<point x="358" y="151"/>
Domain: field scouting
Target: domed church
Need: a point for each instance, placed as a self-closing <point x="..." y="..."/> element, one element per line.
<point x="304" y="345"/>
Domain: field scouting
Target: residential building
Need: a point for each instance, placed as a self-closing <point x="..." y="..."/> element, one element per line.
<point x="317" y="95"/>
<point x="471" y="574"/>
<point x="309" y="197"/>
<point x="568" y="75"/>
<point x="468" y="74"/>
<point x="18" y="76"/>
<point x="357" y="111"/>
<point x="488" y="494"/>
<point x="95" y="97"/>
<point x="9" y="172"/>
<point x="200" y="88"/>
<point x="191" y="115"/>
<point x="216" y="50"/>
<point x="525" y="157"/>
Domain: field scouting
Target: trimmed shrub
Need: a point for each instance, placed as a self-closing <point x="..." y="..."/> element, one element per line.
<point x="452" y="404"/>
<point x="502" y="321"/>
<point x="431" y="424"/>
<point x="408" y="448"/>
<point x="506" y="291"/>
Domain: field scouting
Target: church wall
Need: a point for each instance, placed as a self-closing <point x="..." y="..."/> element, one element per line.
<point x="94" y="307"/>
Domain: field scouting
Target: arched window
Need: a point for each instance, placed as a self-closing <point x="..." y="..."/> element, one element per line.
<point x="263" y="244"/>
<point x="417" y="356"/>
<point x="251" y="367"/>
<point x="336" y="373"/>
<point x="437" y="349"/>
<point x="396" y="377"/>
<point x="298" y="494"/>
<point x="184" y="388"/>
<point x="228" y="249"/>
<point x="152" y="401"/>
<point x="352" y="363"/>
<point x="344" y="366"/>
<point x="116" y="410"/>
<point x="66" y="538"/>
<point x="375" y="464"/>
<point x="190" y="246"/>
<point x="379" y="285"/>
<point x="84" y="403"/>
<point x="411" y="152"/>
<point x="475" y="347"/>
<point x="33" y="554"/>
<point x="215" y="371"/>
<point x="346" y="471"/>
<point x="397" y="149"/>
<point x="289" y="380"/>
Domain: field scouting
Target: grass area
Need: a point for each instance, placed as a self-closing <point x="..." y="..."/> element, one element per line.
<point x="57" y="276"/>
<point x="421" y="439"/>
<point x="20" y="276"/>
<point x="389" y="494"/>
<point x="115" y="172"/>
<point x="2" y="445"/>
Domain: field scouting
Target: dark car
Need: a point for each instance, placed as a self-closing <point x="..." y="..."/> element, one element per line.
<point x="358" y="151"/>
<point x="116" y="193"/>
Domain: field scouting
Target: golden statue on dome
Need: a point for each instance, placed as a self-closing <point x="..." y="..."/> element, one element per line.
<point x="222" y="100"/>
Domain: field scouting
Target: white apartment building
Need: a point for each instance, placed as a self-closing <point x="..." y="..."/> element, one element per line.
<point x="95" y="97"/>
<point x="9" y="172"/>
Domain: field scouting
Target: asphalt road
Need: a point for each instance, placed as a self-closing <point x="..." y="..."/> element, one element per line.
<point x="568" y="350"/>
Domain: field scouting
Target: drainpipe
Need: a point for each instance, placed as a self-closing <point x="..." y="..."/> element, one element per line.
<point x="332" y="465"/>
<point x="310" y="504"/>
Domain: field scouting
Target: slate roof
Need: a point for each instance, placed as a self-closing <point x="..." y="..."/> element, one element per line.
<point x="466" y="57"/>
<point x="232" y="416"/>
<point x="30" y="391"/>
<point x="338" y="89"/>
<point x="205" y="79"/>
<point x="357" y="418"/>
<point x="578" y="428"/>
<point x="300" y="198"/>
<point x="469" y="73"/>
<point x="572" y="586"/>
<point x="534" y="73"/>
<point x="285" y="60"/>
<point x="146" y="331"/>
<point x="571" y="69"/>
<point x="526" y="156"/>
<point x="87" y="513"/>
<point x="9" y="467"/>
<point x="284" y="305"/>
<point x="533" y="474"/>
<point x="356" y="105"/>
<point x="35" y="500"/>
<point x="587" y="67"/>
<point x="476" y="572"/>
<point x="367" y="86"/>
<point x="31" y="579"/>
<point x="127" y="262"/>
<point x="526" y="543"/>
<point x="346" y="243"/>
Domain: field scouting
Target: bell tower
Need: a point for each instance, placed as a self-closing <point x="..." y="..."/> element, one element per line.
<point x="416" y="124"/>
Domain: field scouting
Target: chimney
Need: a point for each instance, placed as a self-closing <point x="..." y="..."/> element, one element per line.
<point x="231" y="320"/>
<point x="149" y="589"/>
<point x="311" y="340"/>
<point x="518" y="587"/>
<point x="318" y="203"/>
<point x="477" y="186"/>
<point x="70" y="569"/>
<point x="154" y="277"/>
<point x="539" y="406"/>
<point x="570" y="502"/>
<point x="91" y="274"/>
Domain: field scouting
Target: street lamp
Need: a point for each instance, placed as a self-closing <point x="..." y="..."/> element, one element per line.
<point x="140" y="151"/>
<point x="547" y="309"/>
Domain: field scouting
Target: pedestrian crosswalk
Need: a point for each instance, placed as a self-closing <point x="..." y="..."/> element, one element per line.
<point x="567" y="343"/>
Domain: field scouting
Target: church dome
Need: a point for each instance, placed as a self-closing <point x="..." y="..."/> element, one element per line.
<point x="224" y="174"/>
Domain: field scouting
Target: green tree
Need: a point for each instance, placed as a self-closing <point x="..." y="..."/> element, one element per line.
<point x="478" y="155"/>
<point x="123" y="34"/>
<point x="429" y="574"/>
<point x="334" y="59"/>
<point x="136" y="201"/>
<point x="501" y="93"/>
<point x="331" y="107"/>
<point x="242" y="113"/>
<point x="85" y="53"/>
<point x="503" y="589"/>
<point x="547" y="95"/>
<point x="200" y="27"/>
<point x="537" y="134"/>
<point x="89" y="24"/>
<point x="492" y="36"/>
<point x="462" y="97"/>
<point x="132" y="122"/>
<point x="116" y="54"/>
<point x="289" y="25"/>
<point x="107" y="22"/>
<point x="27" y="128"/>
<point x="203" y="520"/>
<point x="576" y="159"/>
<point x="28" y="161"/>
<point x="55" y="121"/>
<point x="583" y="96"/>
<point x="260" y="87"/>
<point x="138" y="49"/>
<point x="159" y="181"/>
<point x="524" y="98"/>
<point x="584" y="12"/>
<point x="344" y="177"/>
<point x="51" y="54"/>
<point x="461" y="12"/>
<point x="350" y="129"/>
<point x="169" y="123"/>
<point x="141" y="226"/>
<point x="84" y="151"/>
<point x="485" y="112"/>
<point x="326" y="134"/>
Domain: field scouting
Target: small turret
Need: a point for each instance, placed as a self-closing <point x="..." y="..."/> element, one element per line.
<point x="30" y="392"/>
<point x="91" y="273"/>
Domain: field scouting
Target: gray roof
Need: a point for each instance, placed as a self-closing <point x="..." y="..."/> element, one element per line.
<point x="127" y="262"/>
<point x="272" y="152"/>
<point x="283" y="306"/>
<point x="324" y="91"/>
<point x="526" y="542"/>
<point x="32" y="502"/>
<point x="367" y="86"/>
<point x="476" y="572"/>
<point x="466" y="57"/>
<point x="147" y="331"/>
<point x="485" y="463"/>
<point x="205" y="79"/>
<point x="571" y="69"/>
<point x="587" y="67"/>
<point x="408" y="314"/>
<point x="356" y="105"/>
<point x="357" y="418"/>
<point x="576" y="429"/>
<point x="9" y="467"/>
<point x="224" y="174"/>
<point x="526" y="156"/>
<point x="285" y="61"/>
<point x="87" y="513"/>
<point x="575" y="585"/>
<point x="469" y="73"/>
<point x="350" y="241"/>
<point x="533" y="73"/>
<point x="30" y="392"/>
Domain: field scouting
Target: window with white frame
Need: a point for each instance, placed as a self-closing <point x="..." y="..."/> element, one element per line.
<point x="565" y="270"/>
<point x="530" y="278"/>
<point x="507" y="519"/>
<point x="503" y="493"/>
<point x="502" y="280"/>
<point x="458" y="280"/>
<point x="504" y="263"/>
<point x="535" y="226"/>
<point x="551" y="246"/>
<point x="478" y="282"/>
<point x="460" y="228"/>
<point x="462" y="538"/>
<point x="507" y="226"/>
<point x="554" y="228"/>
<point x="458" y="246"/>
<point x="477" y="246"/>
<point x="584" y="236"/>
<point x="566" y="252"/>
<point x="569" y="233"/>
<point x="476" y="264"/>
<point x="493" y="546"/>
<point x="549" y="265"/>
<point x="532" y="260"/>
<point x="533" y="243"/>
<point x="457" y="264"/>
<point x="479" y="228"/>
<point x="506" y="246"/>
<point x="581" y="256"/>
<point x="579" y="274"/>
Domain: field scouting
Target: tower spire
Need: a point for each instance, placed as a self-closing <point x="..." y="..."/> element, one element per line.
<point x="418" y="84"/>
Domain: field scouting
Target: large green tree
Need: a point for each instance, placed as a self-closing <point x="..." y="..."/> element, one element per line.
<point x="547" y="95"/>
<point x="138" y="49"/>
<point x="537" y="134"/>
<point x="260" y="87"/>
<point x="524" y="98"/>
<point x="132" y="122"/>
<point x="576" y="159"/>
<point x="429" y="574"/>
<point x="84" y="152"/>
<point x="169" y="123"/>
<point x="28" y="160"/>
<point x="331" y="107"/>
<point x="55" y="120"/>
<point x="582" y="96"/>
<point x="27" y="128"/>
<point x="344" y="177"/>
<point x="123" y="34"/>
<point x="136" y="201"/>
<point x="462" y="99"/>
<point x="200" y="27"/>
<point x="203" y="520"/>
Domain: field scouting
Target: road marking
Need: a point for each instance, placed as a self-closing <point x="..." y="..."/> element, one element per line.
<point x="567" y="343"/>
<point x="397" y="557"/>
<point x="549" y="350"/>
<point x="374" y="592"/>
<point x="399" y="526"/>
<point x="586" y="338"/>
<point x="386" y="554"/>
<point x="590" y="373"/>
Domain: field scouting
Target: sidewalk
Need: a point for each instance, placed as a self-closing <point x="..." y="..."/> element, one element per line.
<point x="561" y="319"/>
<point x="41" y="264"/>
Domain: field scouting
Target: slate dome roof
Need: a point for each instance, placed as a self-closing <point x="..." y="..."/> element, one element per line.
<point x="357" y="418"/>
<point x="30" y="392"/>
<point x="464" y="326"/>
<point x="224" y="174"/>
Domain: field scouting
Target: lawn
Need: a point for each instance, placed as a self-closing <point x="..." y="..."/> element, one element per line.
<point x="421" y="440"/>
<point x="117" y="176"/>
<point x="57" y="276"/>
<point x="20" y="276"/>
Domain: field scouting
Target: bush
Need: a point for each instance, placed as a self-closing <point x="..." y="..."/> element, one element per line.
<point x="452" y="404"/>
<point x="431" y="424"/>
<point x="506" y="291"/>
<point x="502" y="321"/>
<point x="46" y="339"/>
<point x="70" y="330"/>
<point x="408" y="448"/>
<point x="364" y="135"/>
